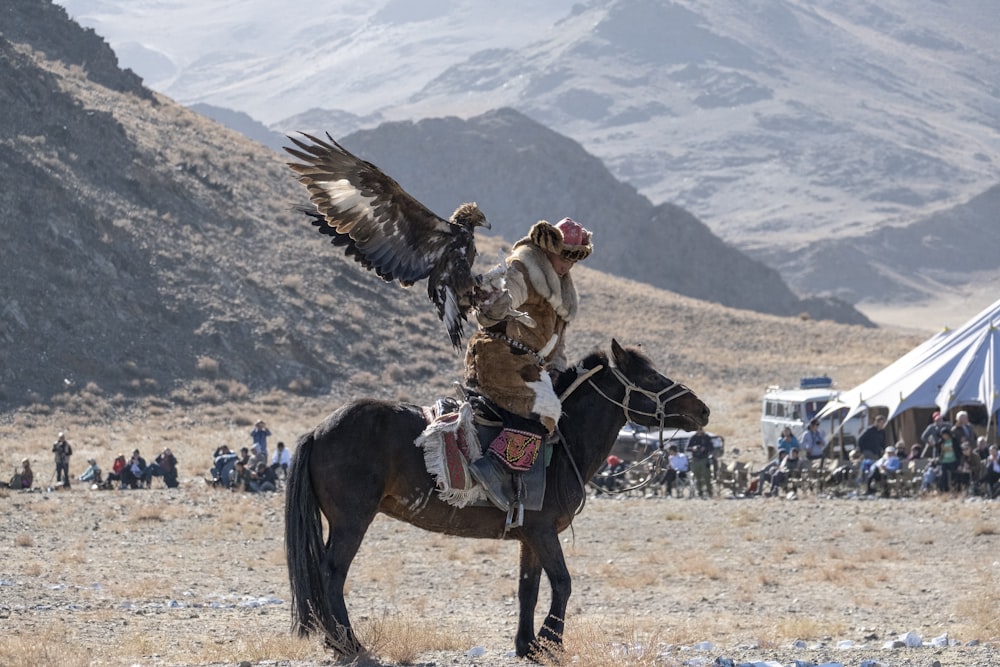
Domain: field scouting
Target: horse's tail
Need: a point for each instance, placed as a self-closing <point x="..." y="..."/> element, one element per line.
<point x="304" y="549"/>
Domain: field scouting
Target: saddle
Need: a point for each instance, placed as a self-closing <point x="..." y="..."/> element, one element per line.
<point x="452" y="442"/>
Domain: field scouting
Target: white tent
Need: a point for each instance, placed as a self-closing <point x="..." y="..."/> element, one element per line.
<point x="950" y="369"/>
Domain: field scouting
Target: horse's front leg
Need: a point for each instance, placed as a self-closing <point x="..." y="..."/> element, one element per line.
<point x="527" y="596"/>
<point x="547" y="553"/>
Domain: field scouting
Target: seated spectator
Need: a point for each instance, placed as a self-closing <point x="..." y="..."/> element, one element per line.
<point x="982" y="449"/>
<point x="932" y="476"/>
<point x="116" y="471"/>
<point x="280" y="460"/>
<point x="790" y="464"/>
<point x="239" y="477"/>
<point x="916" y="450"/>
<point x="991" y="472"/>
<point x="882" y="470"/>
<point x="92" y="474"/>
<point x="756" y="487"/>
<point x="613" y="464"/>
<point x="845" y="474"/>
<point x="134" y="474"/>
<point x="263" y="479"/>
<point x="223" y="463"/>
<point x="970" y="470"/>
<point x="677" y="471"/>
<point x="166" y="467"/>
<point x="23" y="478"/>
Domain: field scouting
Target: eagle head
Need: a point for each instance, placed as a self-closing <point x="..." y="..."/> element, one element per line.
<point x="469" y="215"/>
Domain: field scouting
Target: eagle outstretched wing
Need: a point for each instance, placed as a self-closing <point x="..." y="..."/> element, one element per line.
<point x="387" y="231"/>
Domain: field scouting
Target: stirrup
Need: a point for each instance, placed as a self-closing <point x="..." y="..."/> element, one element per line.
<point x="516" y="520"/>
<point x="515" y="516"/>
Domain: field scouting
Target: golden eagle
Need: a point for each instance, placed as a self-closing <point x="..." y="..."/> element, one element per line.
<point x="388" y="231"/>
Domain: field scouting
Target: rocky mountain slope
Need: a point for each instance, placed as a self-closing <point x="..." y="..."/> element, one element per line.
<point x="779" y="124"/>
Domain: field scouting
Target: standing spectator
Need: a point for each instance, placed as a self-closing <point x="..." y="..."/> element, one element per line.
<point x="166" y="464"/>
<point x="963" y="431"/>
<point x="931" y="437"/>
<point x="813" y="441"/>
<point x="62" y="451"/>
<point x="871" y="442"/>
<point x="787" y="441"/>
<point x="259" y="436"/>
<point x="281" y="460"/>
<point x="700" y="450"/>
<point x="92" y="474"/>
<point x="949" y="456"/>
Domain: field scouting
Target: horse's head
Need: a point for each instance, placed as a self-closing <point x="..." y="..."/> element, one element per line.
<point x="651" y="398"/>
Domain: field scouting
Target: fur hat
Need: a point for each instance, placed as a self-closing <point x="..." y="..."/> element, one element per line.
<point x="567" y="238"/>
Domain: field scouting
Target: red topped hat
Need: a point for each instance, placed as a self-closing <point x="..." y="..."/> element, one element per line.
<point x="567" y="238"/>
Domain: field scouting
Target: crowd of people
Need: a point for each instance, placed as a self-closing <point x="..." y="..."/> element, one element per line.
<point x="251" y="470"/>
<point x="949" y="459"/>
<point x="248" y="470"/>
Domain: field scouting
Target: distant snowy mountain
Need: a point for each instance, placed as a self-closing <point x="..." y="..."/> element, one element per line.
<point x="776" y="122"/>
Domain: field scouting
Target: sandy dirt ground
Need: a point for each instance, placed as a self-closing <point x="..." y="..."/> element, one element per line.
<point x="196" y="575"/>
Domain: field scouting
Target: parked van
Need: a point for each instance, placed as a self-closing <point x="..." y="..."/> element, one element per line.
<point x="795" y="408"/>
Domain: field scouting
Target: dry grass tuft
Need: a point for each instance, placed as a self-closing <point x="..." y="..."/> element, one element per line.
<point x="45" y="647"/>
<point x="402" y="641"/>
<point x="24" y="540"/>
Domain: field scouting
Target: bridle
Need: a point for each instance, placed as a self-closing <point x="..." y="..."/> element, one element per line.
<point x="660" y="413"/>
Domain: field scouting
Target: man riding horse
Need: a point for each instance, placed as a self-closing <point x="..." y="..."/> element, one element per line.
<point x="512" y="362"/>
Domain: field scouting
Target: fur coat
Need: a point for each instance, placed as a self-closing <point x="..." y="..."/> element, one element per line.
<point x="514" y="375"/>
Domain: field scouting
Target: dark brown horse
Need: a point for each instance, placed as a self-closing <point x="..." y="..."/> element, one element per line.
<point x="362" y="461"/>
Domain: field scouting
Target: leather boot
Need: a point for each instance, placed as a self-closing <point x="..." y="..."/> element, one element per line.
<point x="496" y="479"/>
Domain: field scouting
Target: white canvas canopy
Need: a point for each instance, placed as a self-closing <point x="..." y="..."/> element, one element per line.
<point x="950" y="369"/>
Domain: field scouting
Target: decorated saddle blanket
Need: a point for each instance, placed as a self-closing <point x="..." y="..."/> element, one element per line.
<point x="451" y="442"/>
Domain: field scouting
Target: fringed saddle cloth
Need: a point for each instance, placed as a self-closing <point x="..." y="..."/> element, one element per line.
<point x="450" y="444"/>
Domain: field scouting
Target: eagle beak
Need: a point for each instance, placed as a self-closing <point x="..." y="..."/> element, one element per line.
<point x="486" y="224"/>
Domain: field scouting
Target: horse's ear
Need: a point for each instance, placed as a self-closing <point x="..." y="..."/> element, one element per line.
<point x="619" y="354"/>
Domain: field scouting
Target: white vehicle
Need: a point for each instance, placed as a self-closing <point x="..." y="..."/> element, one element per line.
<point x="635" y="441"/>
<point x="795" y="408"/>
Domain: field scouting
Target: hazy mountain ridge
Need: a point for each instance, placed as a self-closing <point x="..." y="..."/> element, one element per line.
<point x="149" y="249"/>
<point x="519" y="171"/>
<point x="777" y="123"/>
